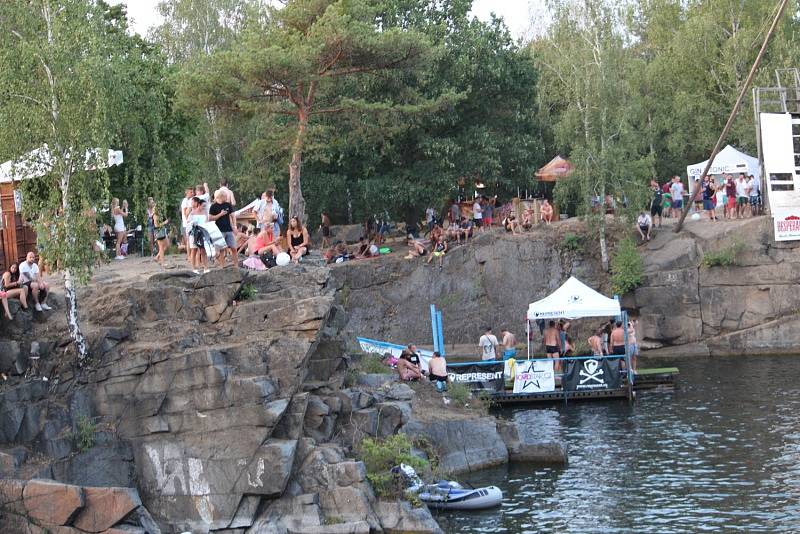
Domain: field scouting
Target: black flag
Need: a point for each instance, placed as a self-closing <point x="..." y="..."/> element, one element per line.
<point x="591" y="374"/>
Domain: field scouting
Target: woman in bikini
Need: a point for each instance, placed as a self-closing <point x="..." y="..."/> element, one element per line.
<point x="11" y="287"/>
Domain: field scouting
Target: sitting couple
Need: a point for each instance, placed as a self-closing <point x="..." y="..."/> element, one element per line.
<point x="409" y="369"/>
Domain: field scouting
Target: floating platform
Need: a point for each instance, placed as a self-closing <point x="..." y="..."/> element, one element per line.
<point x="644" y="379"/>
<point x="653" y="378"/>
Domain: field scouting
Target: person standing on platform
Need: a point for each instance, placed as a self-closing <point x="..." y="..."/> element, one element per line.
<point x="552" y="344"/>
<point x="754" y="191"/>
<point x="632" y="344"/>
<point x="596" y="343"/>
<point x="488" y="344"/>
<point x="730" y="197"/>
<point x="509" y="344"/>
<point x="742" y="198"/>
<point x="618" y="340"/>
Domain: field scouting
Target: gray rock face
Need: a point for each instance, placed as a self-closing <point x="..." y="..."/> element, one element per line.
<point x="463" y="444"/>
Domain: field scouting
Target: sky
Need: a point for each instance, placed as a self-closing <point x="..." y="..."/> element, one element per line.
<point x="516" y="13"/>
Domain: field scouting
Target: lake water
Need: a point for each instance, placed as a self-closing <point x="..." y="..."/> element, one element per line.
<point x="720" y="453"/>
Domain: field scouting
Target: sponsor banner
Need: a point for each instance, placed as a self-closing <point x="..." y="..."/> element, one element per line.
<point x="372" y="346"/>
<point x="589" y="375"/>
<point x="478" y="375"/>
<point x="534" y="376"/>
<point x="786" y="224"/>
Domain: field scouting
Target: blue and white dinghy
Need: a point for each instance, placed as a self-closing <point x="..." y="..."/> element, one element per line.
<point x="450" y="495"/>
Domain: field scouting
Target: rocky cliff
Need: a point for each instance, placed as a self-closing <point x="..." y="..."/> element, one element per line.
<point x="219" y="401"/>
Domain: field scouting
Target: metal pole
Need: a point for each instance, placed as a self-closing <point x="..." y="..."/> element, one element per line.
<point x="440" y="332"/>
<point x="433" y="328"/>
<point x="528" y="333"/>
<point x="734" y="111"/>
<point x="627" y="355"/>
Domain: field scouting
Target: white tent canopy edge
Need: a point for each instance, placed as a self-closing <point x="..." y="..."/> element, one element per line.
<point x="573" y="300"/>
<point x="39" y="162"/>
<point x="728" y="161"/>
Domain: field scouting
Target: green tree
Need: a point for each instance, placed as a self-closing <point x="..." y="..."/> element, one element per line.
<point x="292" y="61"/>
<point x="587" y="70"/>
<point x="57" y="88"/>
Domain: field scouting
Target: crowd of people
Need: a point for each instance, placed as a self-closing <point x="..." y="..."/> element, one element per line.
<point x="24" y="282"/>
<point x="739" y="197"/>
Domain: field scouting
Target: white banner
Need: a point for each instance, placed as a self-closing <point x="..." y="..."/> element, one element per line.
<point x="534" y="376"/>
<point x="372" y="346"/>
<point x="787" y="224"/>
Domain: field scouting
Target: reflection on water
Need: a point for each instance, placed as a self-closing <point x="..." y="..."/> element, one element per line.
<point x="719" y="454"/>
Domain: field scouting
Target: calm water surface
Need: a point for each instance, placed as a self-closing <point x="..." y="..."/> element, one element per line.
<point x="721" y="453"/>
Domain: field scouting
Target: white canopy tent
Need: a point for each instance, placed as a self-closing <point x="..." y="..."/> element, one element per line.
<point x="573" y="300"/>
<point x="39" y="162"/>
<point x="728" y="161"/>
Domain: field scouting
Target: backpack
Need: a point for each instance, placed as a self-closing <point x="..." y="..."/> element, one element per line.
<point x="268" y="260"/>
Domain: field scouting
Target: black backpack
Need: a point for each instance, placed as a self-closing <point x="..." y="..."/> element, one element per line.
<point x="268" y="259"/>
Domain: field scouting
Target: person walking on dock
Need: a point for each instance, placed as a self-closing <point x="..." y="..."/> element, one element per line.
<point x="509" y="344"/>
<point x="488" y="344"/>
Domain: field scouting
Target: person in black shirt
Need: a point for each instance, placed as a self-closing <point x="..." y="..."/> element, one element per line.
<point x="657" y="204"/>
<point x="709" y="192"/>
<point x="221" y="212"/>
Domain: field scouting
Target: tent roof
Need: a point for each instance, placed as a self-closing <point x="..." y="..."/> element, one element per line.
<point x="39" y="162"/>
<point x="557" y="168"/>
<point x="573" y="300"/>
<point x="728" y="161"/>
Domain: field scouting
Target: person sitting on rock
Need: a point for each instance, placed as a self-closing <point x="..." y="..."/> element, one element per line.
<point x="265" y="242"/>
<point x="527" y="219"/>
<point x="644" y="224"/>
<point x="12" y="287"/>
<point x="406" y="369"/>
<point x="31" y="279"/>
<point x="466" y="228"/>
<point x="547" y="212"/>
<point x="511" y="224"/>
<point x="363" y="250"/>
<point x="437" y="372"/>
<point x="439" y="249"/>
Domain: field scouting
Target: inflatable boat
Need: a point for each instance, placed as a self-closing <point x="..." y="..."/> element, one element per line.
<point x="448" y="494"/>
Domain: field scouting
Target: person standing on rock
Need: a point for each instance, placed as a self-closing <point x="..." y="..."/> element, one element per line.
<point x="229" y="196"/>
<point x="742" y="198"/>
<point x="509" y="344"/>
<point x="488" y="344"/>
<point x="221" y="213"/>
<point x="552" y="344"/>
<point x="754" y="191"/>
<point x="198" y="255"/>
<point x="477" y="214"/>
<point x="186" y="210"/>
<point x="437" y="372"/>
<point x="676" y="189"/>
<point x="657" y="203"/>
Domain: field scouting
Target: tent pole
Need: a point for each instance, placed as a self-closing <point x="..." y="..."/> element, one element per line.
<point x="627" y="355"/>
<point x="528" y="335"/>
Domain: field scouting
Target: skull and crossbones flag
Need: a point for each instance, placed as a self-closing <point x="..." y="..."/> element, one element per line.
<point x="591" y="374"/>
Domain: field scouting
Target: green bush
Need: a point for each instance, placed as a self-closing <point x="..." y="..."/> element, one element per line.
<point x="373" y="364"/>
<point x="459" y="393"/>
<point x="627" y="268"/>
<point x="84" y="435"/>
<point x="724" y="257"/>
<point x="380" y="455"/>
<point x="247" y="292"/>
<point x="573" y="243"/>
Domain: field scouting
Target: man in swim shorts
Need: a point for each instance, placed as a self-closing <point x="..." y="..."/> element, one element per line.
<point x="552" y="344"/>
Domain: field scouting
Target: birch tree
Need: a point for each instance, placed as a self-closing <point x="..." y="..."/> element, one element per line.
<point x="585" y="75"/>
<point x="57" y="88"/>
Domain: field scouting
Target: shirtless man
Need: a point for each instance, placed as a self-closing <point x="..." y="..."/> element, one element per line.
<point x="509" y="344"/>
<point x="547" y="212"/>
<point x="618" y="339"/>
<point x="552" y="344"/>
<point x="437" y="371"/>
<point x="596" y="343"/>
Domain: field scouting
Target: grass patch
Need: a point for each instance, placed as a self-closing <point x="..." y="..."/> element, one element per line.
<point x="627" y="268"/>
<point x="373" y="365"/>
<point x="724" y="257"/>
<point x="380" y="455"/>
<point x="573" y="243"/>
<point x="459" y="393"/>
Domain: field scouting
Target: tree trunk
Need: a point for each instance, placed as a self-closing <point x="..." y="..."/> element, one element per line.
<point x="603" y="245"/>
<point x="297" y="204"/>
<point x="71" y="297"/>
<point x="216" y="147"/>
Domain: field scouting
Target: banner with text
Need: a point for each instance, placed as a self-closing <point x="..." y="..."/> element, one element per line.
<point x="589" y="375"/>
<point x="534" y="376"/>
<point x="478" y="375"/>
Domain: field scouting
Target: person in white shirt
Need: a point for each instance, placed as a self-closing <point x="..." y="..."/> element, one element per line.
<point x="644" y="223"/>
<point x="186" y="209"/>
<point x="676" y="189"/>
<point x="742" y="198"/>
<point x="754" y="191"/>
<point x="203" y="193"/>
<point x="488" y="344"/>
<point x="477" y="214"/>
<point x="30" y="277"/>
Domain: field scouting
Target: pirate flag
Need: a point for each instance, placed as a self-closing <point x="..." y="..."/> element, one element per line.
<point x="589" y="375"/>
